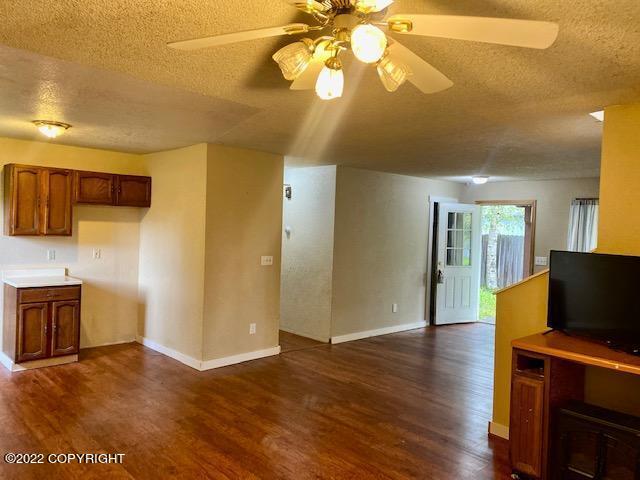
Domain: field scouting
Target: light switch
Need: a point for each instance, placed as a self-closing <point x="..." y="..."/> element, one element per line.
<point x="252" y="329"/>
<point x="266" y="261"/>
<point x="541" y="261"/>
<point x="51" y="255"/>
<point x="394" y="308"/>
<point x="97" y="254"/>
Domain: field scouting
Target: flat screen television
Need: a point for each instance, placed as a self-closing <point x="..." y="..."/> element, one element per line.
<point x="597" y="296"/>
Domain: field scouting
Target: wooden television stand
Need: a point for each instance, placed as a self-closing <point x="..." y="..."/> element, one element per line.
<point x="548" y="371"/>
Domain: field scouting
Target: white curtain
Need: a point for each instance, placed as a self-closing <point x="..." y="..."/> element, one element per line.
<point x="583" y="225"/>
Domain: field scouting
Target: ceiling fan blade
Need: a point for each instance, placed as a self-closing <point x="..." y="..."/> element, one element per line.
<point x="310" y="6"/>
<point x="307" y="79"/>
<point x="426" y="78"/>
<point x="227" y="38"/>
<point x="503" y="31"/>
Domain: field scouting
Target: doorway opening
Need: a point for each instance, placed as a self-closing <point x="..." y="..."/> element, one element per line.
<point x="474" y="251"/>
<point x="506" y="251"/>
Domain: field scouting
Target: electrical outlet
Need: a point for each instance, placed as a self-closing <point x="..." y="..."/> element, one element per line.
<point x="266" y="261"/>
<point x="51" y="255"/>
<point x="252" y="329"/>
<point x="394" y="308"/>
<point x="97" y="254"/>
<point x="541" y="261"/>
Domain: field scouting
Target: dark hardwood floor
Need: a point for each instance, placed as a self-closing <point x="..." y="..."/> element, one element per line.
<point x="409" y="405"/>
<point x="290" y="342"/>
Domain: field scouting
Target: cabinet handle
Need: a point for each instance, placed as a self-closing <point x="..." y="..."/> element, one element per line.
<point x="46" y="329"/>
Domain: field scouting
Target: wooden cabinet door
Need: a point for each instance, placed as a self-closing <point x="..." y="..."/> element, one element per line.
<point x="23" y="194"/>
<point x="57" y="208"/>
<point x="526" y="428"/>
<point x="133" y="191"/>
<point x="65" y="328"/>
<point x="95" y="188"/>
<point x="32" y="332"/>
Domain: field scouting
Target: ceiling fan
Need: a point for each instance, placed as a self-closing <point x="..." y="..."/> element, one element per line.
<point x="359" y="26"/>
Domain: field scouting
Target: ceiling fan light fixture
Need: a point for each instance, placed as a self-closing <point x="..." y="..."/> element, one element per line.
<point x="368" y="43"/>
<point x="51" y="129"/>
<point x="393" y="73"/>
<point x="330" y="84"/>
<point x="372" y="6"/>
<point x="294" y="58"/>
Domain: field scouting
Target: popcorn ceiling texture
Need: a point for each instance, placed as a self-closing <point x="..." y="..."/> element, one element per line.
<point x="513" y="112"/>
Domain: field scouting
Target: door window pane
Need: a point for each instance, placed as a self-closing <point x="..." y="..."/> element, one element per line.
<point x="459" y="239"/>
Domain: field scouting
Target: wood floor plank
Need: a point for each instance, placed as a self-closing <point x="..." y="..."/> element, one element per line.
<point x="408" y="405"/>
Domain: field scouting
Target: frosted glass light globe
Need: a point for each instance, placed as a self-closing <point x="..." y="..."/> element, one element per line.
<point x="368" y="43"/>
<point x="330" y="83"/>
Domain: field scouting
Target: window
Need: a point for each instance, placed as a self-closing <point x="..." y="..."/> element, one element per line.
<point x="459" y="239"/>
<point x="583" y="225"/>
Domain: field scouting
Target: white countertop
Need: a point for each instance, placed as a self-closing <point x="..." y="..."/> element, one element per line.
<point x="35" y="278"/>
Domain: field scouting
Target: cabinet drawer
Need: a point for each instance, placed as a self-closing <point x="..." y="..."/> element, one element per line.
<point x="34" y="295"/>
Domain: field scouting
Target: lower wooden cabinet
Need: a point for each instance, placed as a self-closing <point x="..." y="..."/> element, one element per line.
<point x="65" y="326"/>
<point x="526" y="425"/>
<point x="32" y="332"/>
<point x="41" y="323"/>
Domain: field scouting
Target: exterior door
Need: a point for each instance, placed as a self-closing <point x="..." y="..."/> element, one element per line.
<point x="32" y="331"/>
<point x="25" y="201"/>
<point x="458" y="263"/>
<point x="64" y="328"/>
<point x="57" y="206"/>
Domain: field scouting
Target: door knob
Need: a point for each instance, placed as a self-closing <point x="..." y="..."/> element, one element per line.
<point x="440" y="276"/>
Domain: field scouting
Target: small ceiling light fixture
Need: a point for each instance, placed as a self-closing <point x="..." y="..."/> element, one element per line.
<point x="480" y="179"/>
<point x="598" y="115"/>
<point x="51" y="129"/>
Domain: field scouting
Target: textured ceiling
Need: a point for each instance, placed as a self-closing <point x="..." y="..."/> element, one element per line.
<point x="513" y="112"/>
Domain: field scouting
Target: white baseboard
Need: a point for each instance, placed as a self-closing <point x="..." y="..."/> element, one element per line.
<point x="306" y="335"/>
<point x="6" y="362"/>
<point x="181" y="357"/>
<point x="380" y="331"/>
<point x="32" y="365"/>
<point x="243" y="357"/>
<point x="209" y="364"/>
<point x="499" y="430"/>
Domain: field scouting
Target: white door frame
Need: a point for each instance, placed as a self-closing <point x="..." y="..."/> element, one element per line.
<point x="433" y="199"/>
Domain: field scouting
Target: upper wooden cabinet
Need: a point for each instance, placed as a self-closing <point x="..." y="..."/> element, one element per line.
<point x="95" y="188"/>
<point x="37" y="201"/>
<point x="108" y="189"/>
<point x="133" y="191"/>
<point x="56" y="215"/>
<point x="22" y="200"/>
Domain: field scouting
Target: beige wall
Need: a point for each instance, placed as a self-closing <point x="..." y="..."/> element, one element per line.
<point x="109" y="299"/>
<point x="172" y="251"/>
<point x="553" y="204"/>
<point x="380" y="255"/>
<point x="307" y="252"/>
<point x="243" y="223"/>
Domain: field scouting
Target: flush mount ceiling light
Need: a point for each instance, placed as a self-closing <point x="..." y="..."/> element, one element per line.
<point x="360" y="27"/>
<point x="51" y="129"/>
<point x="598" y="115"/>
<point x="480" y="179"/>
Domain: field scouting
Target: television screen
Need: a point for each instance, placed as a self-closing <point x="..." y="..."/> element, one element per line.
<point x="596" y="295"/>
